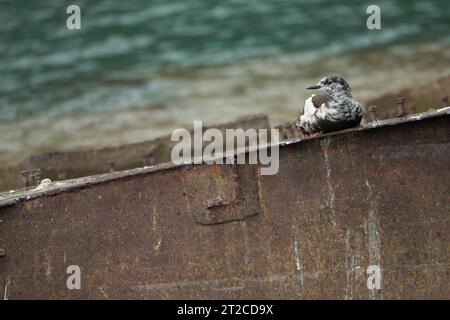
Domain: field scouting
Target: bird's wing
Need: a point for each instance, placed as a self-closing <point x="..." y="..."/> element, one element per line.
<point x="308" y="121"/>
<point x="314" y="102"/>
<point x="319" y="99"/>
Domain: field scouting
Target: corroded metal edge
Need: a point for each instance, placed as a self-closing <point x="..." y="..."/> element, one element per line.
<point x="379" y="124"/>
<point x="17" y="196"/>
<point x="84" y="162"/>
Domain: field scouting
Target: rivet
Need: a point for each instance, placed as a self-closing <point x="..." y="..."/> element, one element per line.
<point x="374" y="113"/>
<point x="36" y="175"/>
<point x="112" y="164"/>
<point x="401" y="107"/>
<point x="25" y="178"/>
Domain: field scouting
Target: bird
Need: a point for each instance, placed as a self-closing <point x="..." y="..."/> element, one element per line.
<point x="333" y="110"/>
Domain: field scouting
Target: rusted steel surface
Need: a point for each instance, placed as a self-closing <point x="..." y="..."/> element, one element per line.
<point x="377" y="195"/>
<point x="289" y="131"/>
<point x="80" y="163"/>
<point x="417" y="99"/>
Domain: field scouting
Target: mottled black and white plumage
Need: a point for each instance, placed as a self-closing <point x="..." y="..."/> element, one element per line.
<point x="334" y="110"/>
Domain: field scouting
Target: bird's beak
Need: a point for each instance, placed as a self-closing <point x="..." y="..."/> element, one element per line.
<point x="315" y="86"/>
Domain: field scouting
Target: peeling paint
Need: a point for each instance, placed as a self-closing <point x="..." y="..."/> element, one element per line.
<point x="352" y="264"/>
<point x="298" y="264"/>
<point x="5" y="292"/>
<point x="246" y="247"/>
<point x="373" y="227"/>
<point x="103" y="293"/>
<point x="156" y="231"/>
<point x="325" y="144"/>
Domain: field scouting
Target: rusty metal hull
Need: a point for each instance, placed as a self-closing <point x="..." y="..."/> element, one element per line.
<point x="81" y="163"/>
<point x="418" y="99"/>
<point x="341" y="202"/>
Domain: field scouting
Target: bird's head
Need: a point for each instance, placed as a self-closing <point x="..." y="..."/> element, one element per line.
<point x="332" y="84"/>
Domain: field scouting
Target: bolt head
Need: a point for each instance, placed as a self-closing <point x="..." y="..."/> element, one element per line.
<point x="400" y="100"/>
<point x="445" y="100"/>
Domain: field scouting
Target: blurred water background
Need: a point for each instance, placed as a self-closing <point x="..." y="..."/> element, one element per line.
<point x="138" y="69"/>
